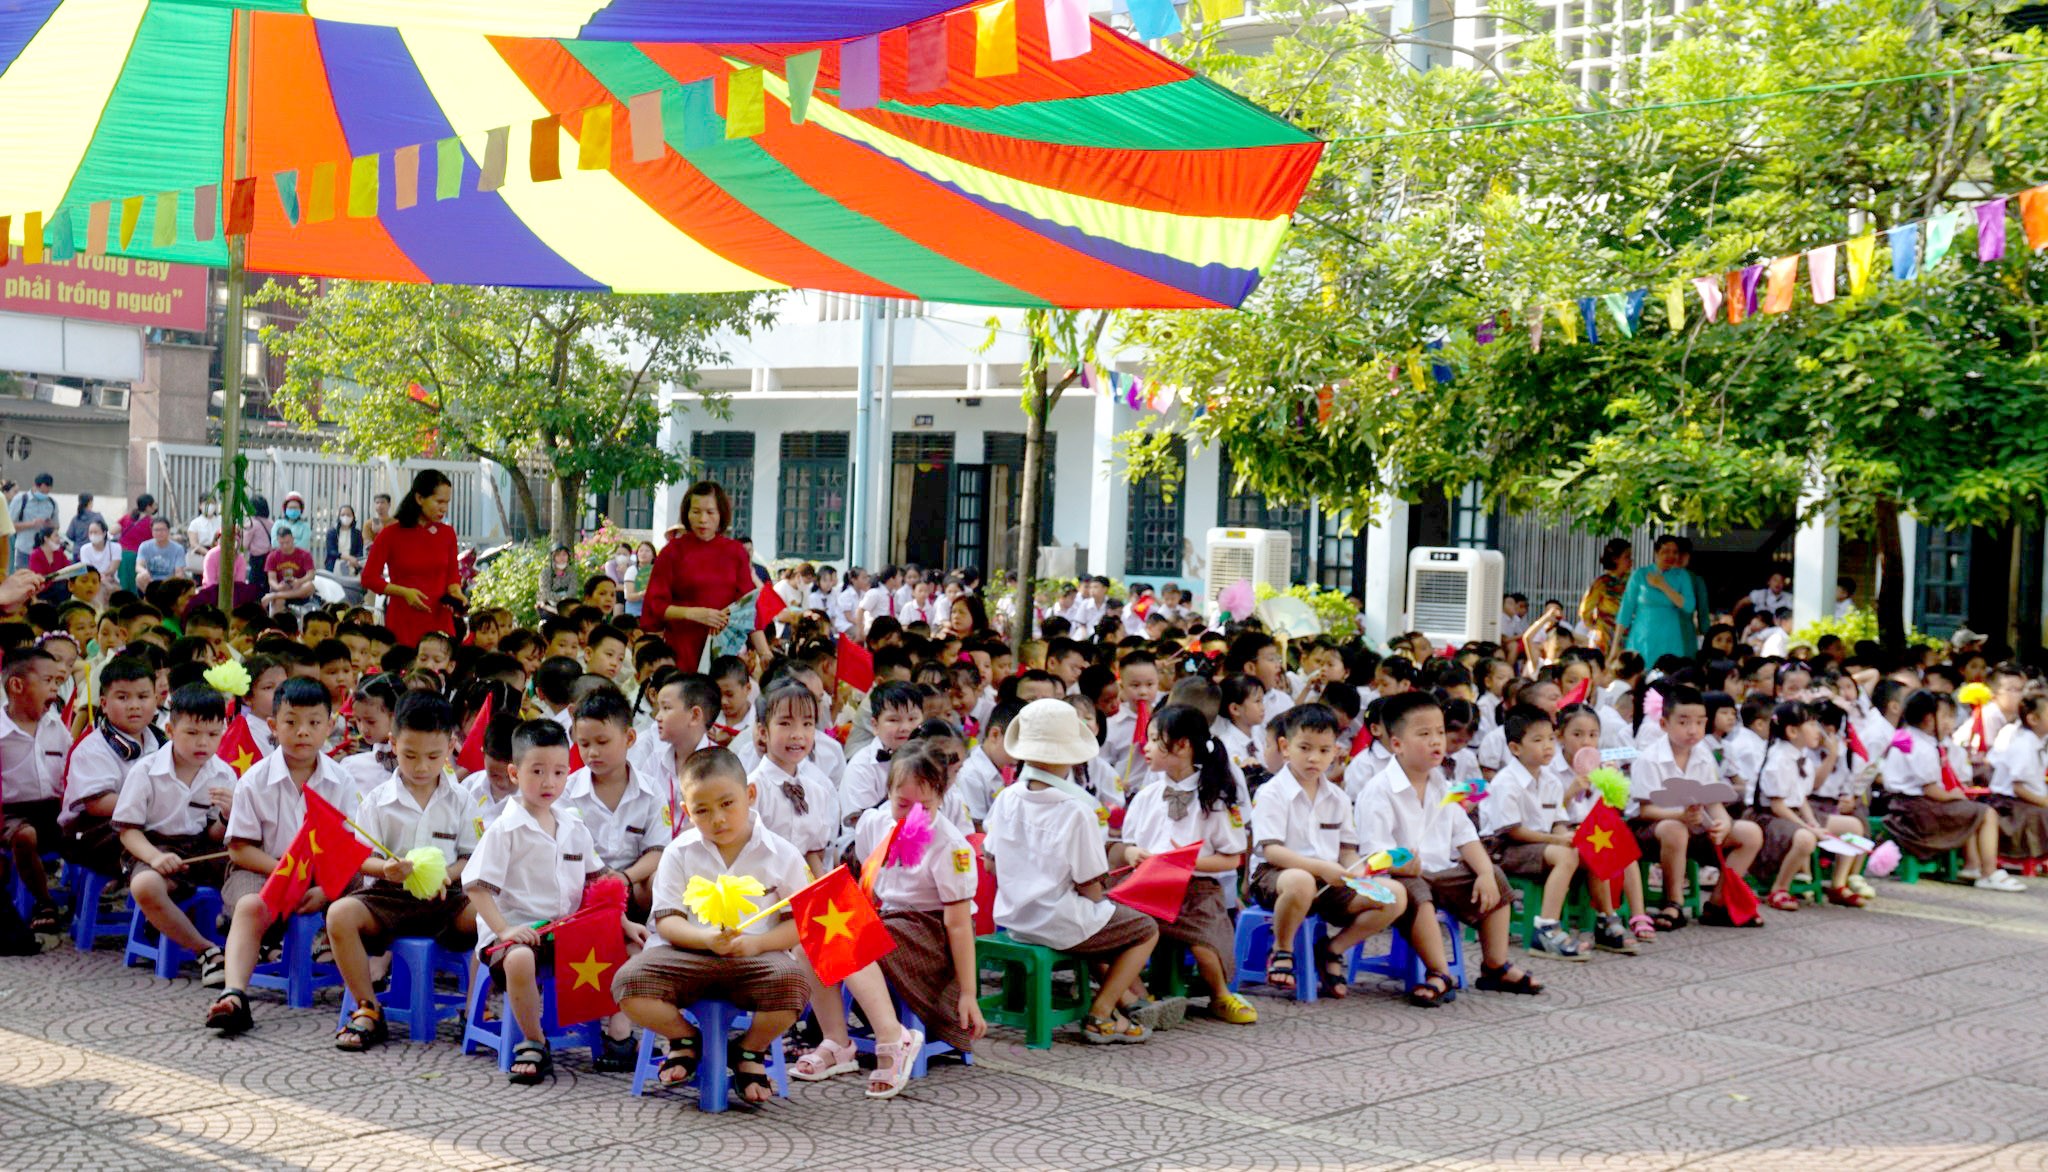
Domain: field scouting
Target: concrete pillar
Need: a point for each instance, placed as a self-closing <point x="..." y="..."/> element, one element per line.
<point x="1201" y="502"/>
<point x="1386" y="572"/>
<point x="674" y="436"/>
<point x="1909" y="548"/>
<point x="1815" y="552"/>
<point x="168" y="405"/>
<point x="1109" y="494"/>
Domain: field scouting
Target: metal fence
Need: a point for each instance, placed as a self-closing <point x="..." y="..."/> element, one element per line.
<point x="1547" y="558"/>
<point x="180" y="474"/>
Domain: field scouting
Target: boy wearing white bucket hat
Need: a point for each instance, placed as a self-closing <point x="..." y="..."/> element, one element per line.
<point x="1047" y="855"/>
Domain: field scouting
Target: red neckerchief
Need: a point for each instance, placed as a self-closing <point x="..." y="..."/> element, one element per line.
<point x="1948" y="775"/>
<point x="1856" y="742"/>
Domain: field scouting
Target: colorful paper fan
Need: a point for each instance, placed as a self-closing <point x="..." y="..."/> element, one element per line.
<point x="230" y="678"/>
<point x="1380" y="861"/>
<point x="1469" y="790"/>
<point x="429" y="872"/>
<point x="722" y="902"/>
<point x="907" y="848"/>
<point x="1611" y="785"/>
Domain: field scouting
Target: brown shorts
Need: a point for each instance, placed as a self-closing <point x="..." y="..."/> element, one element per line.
<point x="494" y="961"/>
<point x="1699" y="846"/>
<point x="1126" y="929"/>
<point x="1523" y="860"/>
<point x="182" y="886"/>
<point x="396" y="913"/>
<point x="773" y="982"/>
<point x="42" y="815"/>
<point x="1332" y="905"/>
<point x="1457" y="891"/>
<point x="241" y="882"/>
<point x="94" y="843"/>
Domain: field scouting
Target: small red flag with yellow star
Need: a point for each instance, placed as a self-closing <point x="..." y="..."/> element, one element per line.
<point x="1605" y="843"/>
<point x="838" y="927"/>
<point x="323" y="853"/>
<point x="238" y="748"/>
<point x="589" y="948"/>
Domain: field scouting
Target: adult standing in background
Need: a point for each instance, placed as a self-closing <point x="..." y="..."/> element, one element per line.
<point x="380" y="515"/>
<point x="1602" y="600"/>
<point x="254" y="539"/>
<point x="699" y="573"/>
<point x="342" y="553"/>
<point x="81" y="523"/>
<point x="1657" y="606"/>
<point x="135" y="530"/>
<point x="34" y="513"/>
<point x="412" y="563"/>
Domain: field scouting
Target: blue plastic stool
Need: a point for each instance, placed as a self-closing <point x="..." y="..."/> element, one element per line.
<point x="504" y="1034"/>
<point x="412" y="1000"/>
<point x="1400" y="962"/>
<point x="864" y="1039"/>
<point x="296" y="976"/>
<point x="24" y="903"/>
<point x="714" y="1019"/>
<point x="87" y="927"/>
<point x="1254" y="948"/>
<point x="147" y="945"/>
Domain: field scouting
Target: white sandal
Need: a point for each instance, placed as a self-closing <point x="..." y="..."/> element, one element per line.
<point x="893" y="1063"/>
<point x="829" y="1059"/>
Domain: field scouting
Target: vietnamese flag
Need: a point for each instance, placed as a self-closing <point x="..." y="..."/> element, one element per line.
<point x="856" y="666"/>
<point x="589" y="948"/>
<point x="838" y="927"/>
<point x="984" y="889"/>
<point x="768" y="603"/>
<point x="324" y="853"/>
<point x="238" y="748"/>
<point x="1159" y="885"/>
<point x="1578" y="693"/>
<point x="471" y="758"/>
<point x="1604" y="842"/>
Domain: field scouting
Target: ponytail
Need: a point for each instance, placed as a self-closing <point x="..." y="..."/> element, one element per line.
<point x="1215" y="786"/>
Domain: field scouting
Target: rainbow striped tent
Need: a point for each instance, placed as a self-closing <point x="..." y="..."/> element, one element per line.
<point x="1115" y="178"/>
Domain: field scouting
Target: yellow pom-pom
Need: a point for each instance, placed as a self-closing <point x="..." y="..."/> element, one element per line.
<point x="429" y="872"/>
<point x="721" y="902"/>
<point x="1975" y="695"/>
<point x="230" y="677"/>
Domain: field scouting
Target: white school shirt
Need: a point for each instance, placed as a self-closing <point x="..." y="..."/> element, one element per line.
<point x="1517" y="798"/>
<point x="977" y="785"/>
<point x="1492" y="748"/>
<point x="944" y="874"/>
<point x="1283" y="814"/>
<point x="818" y="824"/>
<point x="769" y="858"/>
<point x="485" y="808"/>
<point x="864" y="782"/>
<point x="1911" y="771"/>
<point x="32" y="759"/>
<point x="1615" y="732"/>
<point x="827" y="756"/>
<point x="1045" y="846"/>
<point x="926" y="613"/>
<point x="1117" y="736"/>
<point x="260" y="732"/>
<point x="269" y="806"/>
<point x="1768" y="603"/>
<point x="1966" y="729"/>
<point x="639" y="824"/>
<point x="876" y="603"/>
<point x="534" y="876"/>
<point x="1787" y="775"/>
<point x="1742" y="757"/>
<point x="364" y="773"/>
<point x="1363" y="767"/>
<point x="1658" y="765"/>
<point x="2018" y="763"/>
<point x="1277" y="702"/>
<point x="1239" y="745"/>
<point x="448" y="822"/>
<point x="154" y="801"/>
<point x="95" y="769"/>
<point x="1150" y="825"/>
<point x="1389" y="816"/>
<point x="1463" y="765"/>
<point x="1489" y="712"/>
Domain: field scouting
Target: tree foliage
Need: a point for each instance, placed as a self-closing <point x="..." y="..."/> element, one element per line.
<point x="569" y="381"/>
<point x="1927" y="394"/>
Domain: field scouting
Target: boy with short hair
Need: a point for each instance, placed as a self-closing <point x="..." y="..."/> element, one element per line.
<point x="1256" y="654"/>
<point x="896" y="709"/>
<point x="1066" y="659"/>
<point x="754" y="969"/>
<point x="172" y="807"/>
<point x="1673" y="834"/>
<point x="605" y="653"/>
<point x="337" y="670"/>
<point x="1404" y="806"/>
<point x="1137" y="683"/>
<point x="735" y="700"/>
<point x="627" y="815"/>
<point x="684" y="706"/>
<point x="416" y="805"/>
<point x="33" y="745"/>
<point x="988" y="768"/>
<point x="561" y="638"/>
<point x="123" y="734"/>
<point x="1304" y="847"/>
<point x="529" y="867"/>
<point x="268" y="806"/>
<point x="1523" y="822"/>
<point x="554" y="685"/>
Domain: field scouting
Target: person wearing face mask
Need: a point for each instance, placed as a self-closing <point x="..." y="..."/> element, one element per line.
<point x="204" y="529"/>
<point x="295" y="520"/>
<point x="343" y="552"/>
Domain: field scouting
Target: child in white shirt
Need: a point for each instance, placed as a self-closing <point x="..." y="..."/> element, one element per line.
<point x="2018" y="791"/>
<point x="627" y="814"/>
<point x="169" y="810"/>
<point x="1929" y="812"/>
<point x="791" y="796"/>
<point x="988" y="768"/>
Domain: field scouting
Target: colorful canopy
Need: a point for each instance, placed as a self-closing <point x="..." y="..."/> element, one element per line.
<point x="1115" y="178"/>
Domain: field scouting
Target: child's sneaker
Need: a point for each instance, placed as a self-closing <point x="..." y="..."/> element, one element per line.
<point x="617" y="1055"/>
<point x="1610" y="935"/>
<point x="1231" y="1008"/>
<point x="1161" y="1014"/>
<point x="213" y="969"/>
<point x="1548" y="938"/>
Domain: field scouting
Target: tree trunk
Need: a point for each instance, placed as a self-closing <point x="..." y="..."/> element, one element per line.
<point x="529" y="508"/>
<point x="1023" y="594"/>
<point x="568" y="507"/>
<point x="1891" y="577"/>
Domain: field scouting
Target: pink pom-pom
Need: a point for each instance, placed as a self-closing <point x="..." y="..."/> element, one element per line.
<point x="1653" y="705"/>
<point x="1902" y="741"/>
<point x="911" y="838"/>
<point x="605" y="891"/>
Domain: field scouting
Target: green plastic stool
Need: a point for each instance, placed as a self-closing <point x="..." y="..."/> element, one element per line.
<point x="1694" y="900"/>
<point x="1813" y="888"/>
<point x="1578" y="914"/>
<point x="1024" y="999"/>
<point x="1171" y="972"/>
<point x="1948" y="866"/>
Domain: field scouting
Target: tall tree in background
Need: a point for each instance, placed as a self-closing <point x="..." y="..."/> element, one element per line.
<point x="1926" y="396"/>
<point x="570" y="381"/>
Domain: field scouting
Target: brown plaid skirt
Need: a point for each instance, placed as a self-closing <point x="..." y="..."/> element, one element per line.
<point x="1779" y="834"/>
<point x="1203" y="920"/>
<point x="771" y="982"/>
<point x="1925" y="828"/>
<point x="1857" y="808"/>
<point x="920" y="971"/>
<point x="2022" y="827"/>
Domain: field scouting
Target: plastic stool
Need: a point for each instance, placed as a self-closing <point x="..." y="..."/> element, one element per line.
<point x="415" y="962"/>
<point x="146" y="944"/>
<point x="864" y="1038"/>
<point x="1947" y="865"/>
<point x="1401" y="963"/>
<point x="87" y="927"/>
<point x="1025" y="998"/>
<point x="1694" y="900"/>
<point x="503" y="1035"/>
<point x="714" y="1019"/>
<point x="1171" y="971"/>
<point x="1813" y="888"/>
<point x="296" y="975"/>
<point x="1254" y="948"/>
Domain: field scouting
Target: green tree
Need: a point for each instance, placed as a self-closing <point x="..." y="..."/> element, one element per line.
<point x="568" y="381"/>
<point x="1409" y="240"/>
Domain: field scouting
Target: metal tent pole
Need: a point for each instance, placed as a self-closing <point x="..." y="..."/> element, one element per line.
<point x="231" y="334"/>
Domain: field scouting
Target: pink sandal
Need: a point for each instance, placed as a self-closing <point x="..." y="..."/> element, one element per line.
<point x="893" y="1063"/>
<point x="829" y="1059"/>
<point x="1643" y="926"/>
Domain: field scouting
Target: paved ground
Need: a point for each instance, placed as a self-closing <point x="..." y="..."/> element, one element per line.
<point x="1915" y="1037"/>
